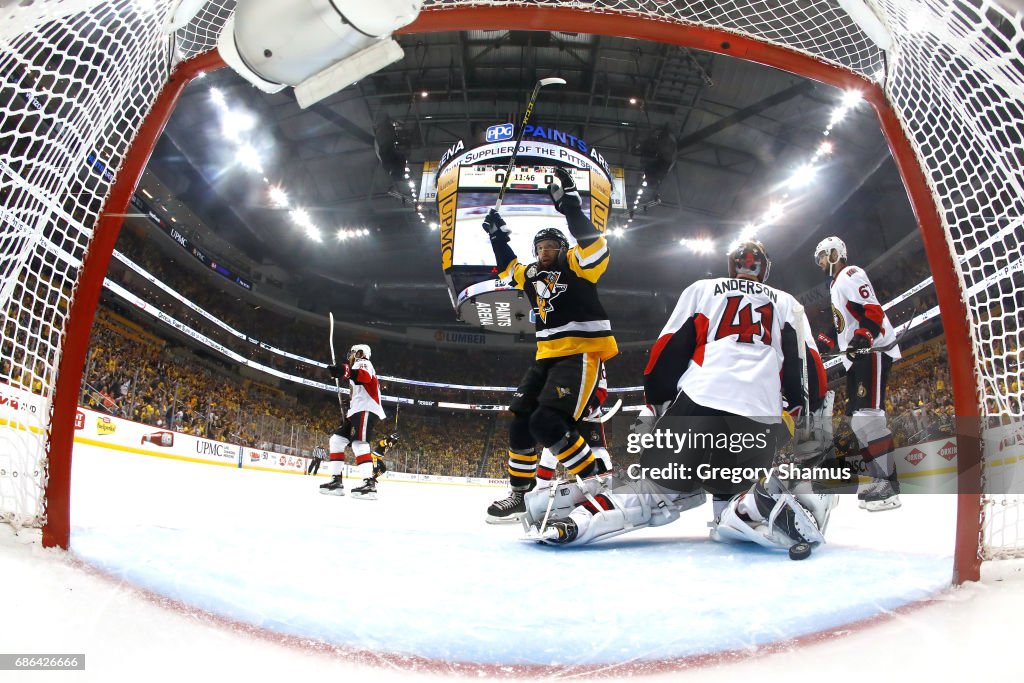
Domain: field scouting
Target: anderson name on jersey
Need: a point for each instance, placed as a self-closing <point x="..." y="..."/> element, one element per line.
<point x="731" y="344"/>
<point x="854" y="306"/>
<point x="365" y="389"/>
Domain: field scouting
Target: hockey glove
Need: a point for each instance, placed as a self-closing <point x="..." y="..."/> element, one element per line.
<point x="340" y="371"/>
<point x="494" y="226"/>
<point x="563" y="192"/>
<point x="825" y="342"/>
<point x="862" y="340"/>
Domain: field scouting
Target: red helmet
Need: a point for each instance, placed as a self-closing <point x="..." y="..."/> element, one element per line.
<point x="749" y="258"/>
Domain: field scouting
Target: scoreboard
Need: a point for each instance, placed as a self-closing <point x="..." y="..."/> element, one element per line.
<point x="468" y="182"/>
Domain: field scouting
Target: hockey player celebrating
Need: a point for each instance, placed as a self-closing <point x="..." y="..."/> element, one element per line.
<point x="726" y="360"/>
<point x="381" y="450"/>
<point x="574" y="338"/>
<point x="364" y="412"/>
<point x="864" y="332"/>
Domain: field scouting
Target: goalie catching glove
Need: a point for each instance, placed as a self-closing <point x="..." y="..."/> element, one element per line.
<point x="563" y="192"/>
<point x="494" y="226"/>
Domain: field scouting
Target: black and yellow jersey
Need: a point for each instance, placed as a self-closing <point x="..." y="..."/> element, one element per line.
<point x="568" y="313"/>
<point x="381" y="449"/>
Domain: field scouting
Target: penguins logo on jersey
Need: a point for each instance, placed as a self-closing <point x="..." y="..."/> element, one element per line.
<point x="562" y="392"/>
<point x="548" y="289"/>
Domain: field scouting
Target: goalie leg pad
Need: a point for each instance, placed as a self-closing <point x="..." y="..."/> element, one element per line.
<point x="565" y="496"/>
<point x="630" y="506"/>
<point x="771" y="516"/>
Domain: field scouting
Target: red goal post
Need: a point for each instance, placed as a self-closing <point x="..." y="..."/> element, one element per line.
<point x="88" y="86"/>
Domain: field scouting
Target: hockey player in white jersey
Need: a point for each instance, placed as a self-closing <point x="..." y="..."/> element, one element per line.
<point x="727" y="359"/>
<point x="364" y="411"/>
<point x="863" y="330"/>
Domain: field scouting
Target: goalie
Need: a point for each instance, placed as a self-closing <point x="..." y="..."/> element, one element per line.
<point x="732" y="352"/>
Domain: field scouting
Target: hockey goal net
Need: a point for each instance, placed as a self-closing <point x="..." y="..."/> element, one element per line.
<point x="87" y="85"/>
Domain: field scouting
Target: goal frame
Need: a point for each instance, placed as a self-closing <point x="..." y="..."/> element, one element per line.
<point x="965" y="384"/>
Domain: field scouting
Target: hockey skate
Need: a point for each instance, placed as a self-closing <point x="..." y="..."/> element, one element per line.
<point x="882" y="493"/>
<point x="879" y="495"/>
<point x="368" y="491"/>
<point x="335" y="487"/>
<point x="507" y="510"/>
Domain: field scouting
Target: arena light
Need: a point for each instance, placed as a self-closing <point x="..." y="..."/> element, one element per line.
<point x="249" y="158"/>
<point x="433" y="225"/>
<point x="802" y="177"/>
<point x="235" y="122"/>
<point x="313" y="233"/>
<point x="300" y="217"/>
<point x="698" y="245"/>
<point x="824" y="149"/>
<point x="218" y="98"/>
<point x="774" y="213"/>
<point x="852" y="98"/>
<point x="278" y="197"/>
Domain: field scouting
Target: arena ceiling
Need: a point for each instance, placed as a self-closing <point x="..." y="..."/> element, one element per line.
<point x="733" y="132"/>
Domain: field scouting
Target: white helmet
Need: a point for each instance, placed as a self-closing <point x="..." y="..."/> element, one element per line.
<point x="827" y="245"/>
<point x="360" y="348"/>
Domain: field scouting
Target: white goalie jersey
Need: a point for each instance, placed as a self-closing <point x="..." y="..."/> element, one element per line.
<point x="731" y="345"/>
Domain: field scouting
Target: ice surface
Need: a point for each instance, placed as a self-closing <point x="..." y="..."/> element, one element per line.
<point x="258" y="560"/>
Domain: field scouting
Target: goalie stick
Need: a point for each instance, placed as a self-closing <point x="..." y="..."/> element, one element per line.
<point x="522" y="129"/>
<point x="334" y="361"/>
<point x="801" y="349"/>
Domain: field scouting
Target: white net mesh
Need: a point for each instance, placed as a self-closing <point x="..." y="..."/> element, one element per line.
<point x="77" y="80"/>
<point x="79" y="76"/>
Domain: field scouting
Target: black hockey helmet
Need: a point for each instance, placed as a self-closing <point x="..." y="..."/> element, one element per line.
<point x="550" y="234"/>
<point x="750" y="259"/>
<point x="392" y="438"/>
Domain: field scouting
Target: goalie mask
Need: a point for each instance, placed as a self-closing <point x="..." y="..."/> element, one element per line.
<point x="550" y="234"/>
<point x="359" y="349"/>
<point x="749" y="259"/>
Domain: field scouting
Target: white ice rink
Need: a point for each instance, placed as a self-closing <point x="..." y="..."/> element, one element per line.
<point x="182" y="570"/>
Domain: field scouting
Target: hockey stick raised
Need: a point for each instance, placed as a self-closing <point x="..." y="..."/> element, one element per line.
<point x="334" y="361"/>
<point x="522" y="129"/>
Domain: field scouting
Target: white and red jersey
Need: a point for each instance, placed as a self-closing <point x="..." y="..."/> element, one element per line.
<point x="731" y="344"/>
<point x="855" y="306"/>
<point x="365" y="396"/>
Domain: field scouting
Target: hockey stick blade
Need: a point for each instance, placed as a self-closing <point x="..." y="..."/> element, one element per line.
<point x="606" y="413"/>
<point x="522" y="130"/>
